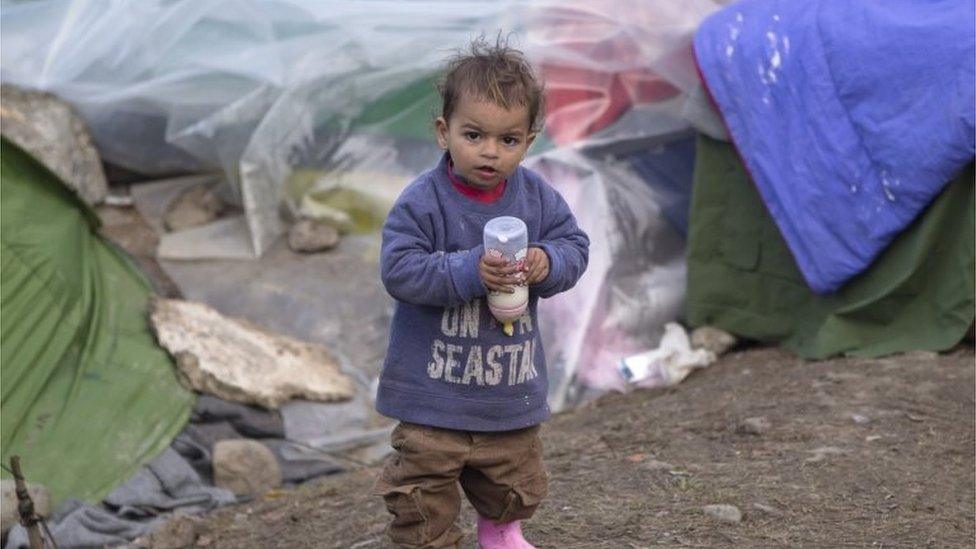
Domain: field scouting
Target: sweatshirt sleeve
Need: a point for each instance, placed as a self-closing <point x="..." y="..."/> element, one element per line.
<point x="564" y="242"/>
<point x="414" y="272"/>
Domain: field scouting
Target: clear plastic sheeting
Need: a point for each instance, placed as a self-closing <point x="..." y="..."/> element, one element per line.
<point x="635" y="281"/>
<point x="263" y="89"/>
<point x="614" y="69"/>
<point x="324" y="110"/>
<point x="257" y="89"/>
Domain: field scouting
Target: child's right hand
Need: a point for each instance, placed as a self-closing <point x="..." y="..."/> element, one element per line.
<point x="498" y="274"/>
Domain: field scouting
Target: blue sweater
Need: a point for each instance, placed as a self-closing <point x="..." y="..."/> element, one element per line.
<point x="449" y="364"/>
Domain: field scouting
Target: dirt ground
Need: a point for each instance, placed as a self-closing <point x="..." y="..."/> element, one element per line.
<point x="835" y="453"/>
<point x="853" y="452"/>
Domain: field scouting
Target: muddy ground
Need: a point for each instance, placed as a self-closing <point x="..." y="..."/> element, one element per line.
<point x="858" y="453"/>
<point x="844" y="452"/>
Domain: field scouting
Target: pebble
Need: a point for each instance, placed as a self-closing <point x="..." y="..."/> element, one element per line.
<point x="310" y="236"/>
<point x="755" y="426"/>
<point x="655" y="465"/>
<point x="723" y="512"/>
<point x="182" y="531"/>
<point x="860" y="419"/>
<point x="820" y="454"/>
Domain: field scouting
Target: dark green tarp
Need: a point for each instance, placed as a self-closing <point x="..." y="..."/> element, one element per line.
<point x="919" y="293"/>
<point x="87" y="394"/>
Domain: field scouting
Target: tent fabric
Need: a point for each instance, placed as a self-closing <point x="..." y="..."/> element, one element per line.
<point x="850" y="115"/>
<point x="919" y="294"/>
<point x="87" y="395"/>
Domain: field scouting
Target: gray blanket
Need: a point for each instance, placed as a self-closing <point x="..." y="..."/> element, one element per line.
<point x="166" y="484"/>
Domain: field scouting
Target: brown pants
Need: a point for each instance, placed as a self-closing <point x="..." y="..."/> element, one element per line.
<point x="501" y="474"/>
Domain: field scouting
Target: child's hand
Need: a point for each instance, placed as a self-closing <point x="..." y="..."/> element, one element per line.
<point x="497" y="274"/>
<point x="536" y="265"/>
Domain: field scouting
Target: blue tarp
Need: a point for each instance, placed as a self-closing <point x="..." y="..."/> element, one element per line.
<point x="850" y="116"/>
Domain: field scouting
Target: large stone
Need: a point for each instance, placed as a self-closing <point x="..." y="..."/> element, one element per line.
<point x="194" y="207"/>
<point x="713" y="339"/>
<point x="238" y="361"/>
<point x="8" y="509"/>
<point x="245" y="467"/>
<point x="53" y="133"/>
<point x="310" y="236"/>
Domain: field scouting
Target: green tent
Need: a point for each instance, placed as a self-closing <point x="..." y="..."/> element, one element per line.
<point x="919" y="293"/>
<point x="87" y="394"/>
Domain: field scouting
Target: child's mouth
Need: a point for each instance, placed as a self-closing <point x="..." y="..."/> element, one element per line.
<point x="486" y="172"/>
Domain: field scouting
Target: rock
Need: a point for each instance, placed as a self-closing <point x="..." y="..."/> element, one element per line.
<point x="655" y="465"/>
<point x="723" y="512"/>
<point x="860" y="419"/>
<point x="8" y="509"/>
<point x="310" y="236"/>
<point x="245" y="467"/>
<point x="240" y="362"/>
<point x="194" y="207"/>
<point x="754" y="426"/>
<point x="53" y="133"/>
<point x="713" y="339"/>
<point x="179" y="532"/>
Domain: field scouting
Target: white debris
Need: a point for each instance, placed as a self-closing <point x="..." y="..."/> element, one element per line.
<point x="713" y="339"/>
<point x="670" y="363"/>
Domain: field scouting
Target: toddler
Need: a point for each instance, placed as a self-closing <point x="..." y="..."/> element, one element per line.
<point x="470" y="397"/>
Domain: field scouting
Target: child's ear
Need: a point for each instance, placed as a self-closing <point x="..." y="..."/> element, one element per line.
<point x="440" y="128"/>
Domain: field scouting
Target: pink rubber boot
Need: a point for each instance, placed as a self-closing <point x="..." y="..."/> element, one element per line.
<point x="504" y="535"/>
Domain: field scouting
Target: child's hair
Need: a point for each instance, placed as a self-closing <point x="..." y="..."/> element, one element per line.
<point x="496" y="73"/>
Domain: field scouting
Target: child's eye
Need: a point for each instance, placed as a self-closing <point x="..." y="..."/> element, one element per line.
<point x="472" y="136"/>
<point x="510" y="141"/>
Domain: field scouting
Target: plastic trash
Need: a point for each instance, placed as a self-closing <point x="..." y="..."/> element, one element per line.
<point x="667" y="365"/>
<point x="507" y="237"/>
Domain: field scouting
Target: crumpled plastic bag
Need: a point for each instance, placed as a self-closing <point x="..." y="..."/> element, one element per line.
<point x="669" y="363"/>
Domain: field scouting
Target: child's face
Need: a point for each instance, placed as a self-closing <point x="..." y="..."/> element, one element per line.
<point x="486" y="141"/>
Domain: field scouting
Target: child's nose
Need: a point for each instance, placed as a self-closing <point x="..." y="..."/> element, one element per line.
<point x="490" y="149"/>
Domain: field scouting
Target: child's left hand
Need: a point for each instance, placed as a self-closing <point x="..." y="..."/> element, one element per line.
<point x="536" y="265"/>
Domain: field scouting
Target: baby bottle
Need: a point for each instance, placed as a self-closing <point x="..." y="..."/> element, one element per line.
<point x="507" y="237"/>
